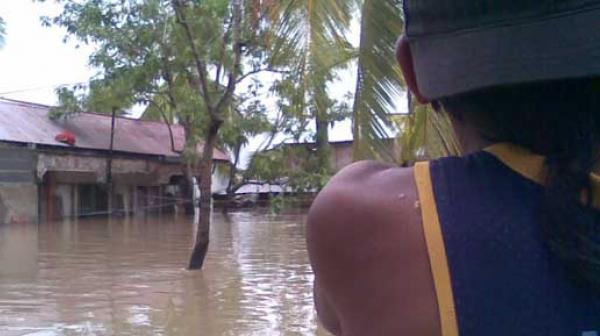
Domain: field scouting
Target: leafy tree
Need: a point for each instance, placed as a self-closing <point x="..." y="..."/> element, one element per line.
<point x="182" y="58"/>
<point x="292" y="167"/>
<point x="247" y="122"/>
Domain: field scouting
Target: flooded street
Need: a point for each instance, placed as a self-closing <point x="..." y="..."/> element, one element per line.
<point x="127" y="277"/>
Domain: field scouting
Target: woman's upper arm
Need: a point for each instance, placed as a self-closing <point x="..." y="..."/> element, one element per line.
<point x="327" y="315"/>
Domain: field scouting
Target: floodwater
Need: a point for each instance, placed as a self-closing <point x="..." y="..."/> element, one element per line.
<point x="128" y="277"/>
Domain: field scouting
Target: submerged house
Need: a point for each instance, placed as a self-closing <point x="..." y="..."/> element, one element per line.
<point x="51" y="169"/>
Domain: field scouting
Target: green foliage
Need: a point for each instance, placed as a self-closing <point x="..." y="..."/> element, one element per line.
<point x="296" y="167"/>
<point x="379" y="80"/>
<point x="277" y="204"/>
<point x="70" y="103"/>
<point x="311" y="40"/>
<point x="425" y="134"/>
<point x="178" y="58"/>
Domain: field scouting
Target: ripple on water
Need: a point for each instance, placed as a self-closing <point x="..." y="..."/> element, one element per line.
<point x="127" y="277"/>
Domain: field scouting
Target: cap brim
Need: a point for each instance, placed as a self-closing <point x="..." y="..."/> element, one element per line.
<point x="566" y="46"/>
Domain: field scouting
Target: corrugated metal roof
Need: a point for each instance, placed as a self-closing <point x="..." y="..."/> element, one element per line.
<point x="29" y="123"/>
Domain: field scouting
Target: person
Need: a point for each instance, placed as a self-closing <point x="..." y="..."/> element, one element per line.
<point x="505" y="239"/>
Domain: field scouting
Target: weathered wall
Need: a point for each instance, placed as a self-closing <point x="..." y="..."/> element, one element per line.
<point x="138" y="183"/>
<point x="220" y="178"/>
<point x="128" y="171"/>
<point x="18" y="191"/>
<point x="341" y="156"/>
<point x="18" y="203"/>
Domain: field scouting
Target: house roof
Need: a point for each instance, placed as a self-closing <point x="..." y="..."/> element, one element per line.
<point x="23" y="122"/>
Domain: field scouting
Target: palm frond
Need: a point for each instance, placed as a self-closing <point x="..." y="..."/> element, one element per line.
<point x="425" y="134"/>
<point x="311" y="41"/>
<point x="379" y="84"/>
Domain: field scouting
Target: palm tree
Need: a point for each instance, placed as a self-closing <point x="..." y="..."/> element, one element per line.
<point x="422" y="132"/>
<point x="312" y="39"/>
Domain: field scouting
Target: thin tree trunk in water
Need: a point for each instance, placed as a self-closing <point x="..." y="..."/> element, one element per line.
<point x="188" y="167"/>
<point x="206" y="163"/>
<point x="202" y="236"/>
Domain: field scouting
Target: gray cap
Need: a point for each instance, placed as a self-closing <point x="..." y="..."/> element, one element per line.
<point x="464" y="45"/>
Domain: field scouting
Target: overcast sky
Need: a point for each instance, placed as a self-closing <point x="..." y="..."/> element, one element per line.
<point x="34" y="60"/>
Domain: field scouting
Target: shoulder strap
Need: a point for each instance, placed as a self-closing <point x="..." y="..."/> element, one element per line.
<point x="532" y="166"/>
<point x="437" y="250"/>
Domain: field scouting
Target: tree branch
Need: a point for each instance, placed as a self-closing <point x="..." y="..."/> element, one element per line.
<point x="222" y="56"/>
<point x="166" y="121"/>
<point x="200" y="65"/>
<point x="256" y="71"/>
<point x="237" y="52"/>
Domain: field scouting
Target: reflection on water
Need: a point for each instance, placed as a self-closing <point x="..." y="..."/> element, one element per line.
<point x="126" y="277"/>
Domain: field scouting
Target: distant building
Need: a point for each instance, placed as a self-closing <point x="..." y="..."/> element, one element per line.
<point x="44" y="175"/>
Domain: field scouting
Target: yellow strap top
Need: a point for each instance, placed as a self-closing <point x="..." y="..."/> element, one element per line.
<point x="531" y="165"/>
<point x="520" y="160"/>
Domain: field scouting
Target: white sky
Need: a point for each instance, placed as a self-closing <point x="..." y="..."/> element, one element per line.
<point x="35" y="60"/>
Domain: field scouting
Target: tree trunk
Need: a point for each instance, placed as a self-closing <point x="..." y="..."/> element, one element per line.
<point x="187" y="189"/>
<point x="188" y="167"/>
<point x="358" y="153"/>
<point x="322" y="141"/>
<point x="171" y="138"/>
<point x="206" y="164"/>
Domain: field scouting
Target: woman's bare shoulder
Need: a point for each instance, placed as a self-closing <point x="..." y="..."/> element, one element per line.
<point x="366" y="190"/>
<point x="366" y="246"/>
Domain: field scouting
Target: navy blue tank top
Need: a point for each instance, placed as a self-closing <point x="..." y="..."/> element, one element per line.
<point x="492" y="273"/>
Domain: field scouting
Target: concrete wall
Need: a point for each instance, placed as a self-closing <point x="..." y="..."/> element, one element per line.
<point x="129" y="171"/>
<point x="18" y="203"/>
<point x="220" y="178"/>
<point x="18" y="191"/>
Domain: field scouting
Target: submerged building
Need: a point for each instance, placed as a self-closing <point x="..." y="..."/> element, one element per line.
<point x="51" y="169"/>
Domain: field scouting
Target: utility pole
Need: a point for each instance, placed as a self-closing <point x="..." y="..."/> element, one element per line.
<point x="109" y="177"/>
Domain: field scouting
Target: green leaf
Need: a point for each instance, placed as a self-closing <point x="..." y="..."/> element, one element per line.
<point x="380" y="84"/>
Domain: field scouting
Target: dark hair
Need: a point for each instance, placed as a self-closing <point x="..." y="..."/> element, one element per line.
<point x="560" y="120"/>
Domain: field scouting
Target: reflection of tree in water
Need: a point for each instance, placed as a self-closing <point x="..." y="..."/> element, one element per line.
<point x="207" y="302"/>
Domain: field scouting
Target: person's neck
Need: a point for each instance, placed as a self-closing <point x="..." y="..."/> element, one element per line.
<point x="469" y="138"/>
<point x="473" y="145"/>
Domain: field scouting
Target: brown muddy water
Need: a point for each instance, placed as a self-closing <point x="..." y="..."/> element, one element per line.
<point x="127" y="277"/>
